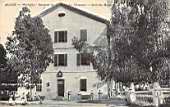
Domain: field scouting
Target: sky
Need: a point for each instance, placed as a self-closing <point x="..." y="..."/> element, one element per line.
<point x="9" y="10"/>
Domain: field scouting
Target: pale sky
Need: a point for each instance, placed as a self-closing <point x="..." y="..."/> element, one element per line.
<point x="9" y="10"/>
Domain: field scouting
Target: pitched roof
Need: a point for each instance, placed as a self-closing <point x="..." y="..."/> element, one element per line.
<point x="79" y="11"/>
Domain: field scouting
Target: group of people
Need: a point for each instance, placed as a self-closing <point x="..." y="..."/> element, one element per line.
<point x="23" y="98"/>
<point x="17" y="99"/>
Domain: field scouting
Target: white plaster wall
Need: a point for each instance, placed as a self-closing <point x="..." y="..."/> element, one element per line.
<point x="72" y="83"/>
<point x="72" y="22"/>
<point x="51" y="91"/>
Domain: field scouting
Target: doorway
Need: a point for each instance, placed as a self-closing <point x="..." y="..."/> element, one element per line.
<point x="60" y="87"/>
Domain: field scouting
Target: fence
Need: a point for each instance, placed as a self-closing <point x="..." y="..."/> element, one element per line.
<point x="154" y="97"/>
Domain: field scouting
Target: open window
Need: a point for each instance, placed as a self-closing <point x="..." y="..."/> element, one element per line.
<point x="60" y="36"/>
<point x="60" y="60"/>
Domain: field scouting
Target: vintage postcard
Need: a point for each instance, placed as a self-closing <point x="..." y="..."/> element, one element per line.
<point x="90" y="53"/>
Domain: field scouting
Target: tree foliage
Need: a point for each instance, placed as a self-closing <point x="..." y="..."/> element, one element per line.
<point x="98" y="56"/>
<point x="80" y="45"/>
<point x="3" y="61"/>
<point x="138" y="43"/>
<point x="7" y="75"/>
<point x="139" y="40"/>
<point x="2" y="55"/>
<point x="30" y="47"/>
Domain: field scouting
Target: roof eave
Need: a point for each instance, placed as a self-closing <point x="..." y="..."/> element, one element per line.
<point x="89" y="15"/>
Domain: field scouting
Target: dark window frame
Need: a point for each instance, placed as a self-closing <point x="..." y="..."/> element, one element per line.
<point x="60" y="36"/>
<point x="39" y="86"/>
<point x="83" y="84"/>
<point x="83" y="34"/>
<point x="60" y="60"/>
<point x="61" y="14"/>
<point x="83" y="59"/>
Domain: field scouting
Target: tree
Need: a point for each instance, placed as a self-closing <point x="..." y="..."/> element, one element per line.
<point x="3" y="61"/>
<point x="139" y="40"/>
<point x="138" y="49"/>
<point x="7" y="75"/>
<point x="30" y="47"/>
<point x="2" y="55"/>
<point x="99" y="57"/>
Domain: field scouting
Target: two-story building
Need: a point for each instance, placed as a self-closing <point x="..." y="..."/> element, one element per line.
<point x="71" y="71"/>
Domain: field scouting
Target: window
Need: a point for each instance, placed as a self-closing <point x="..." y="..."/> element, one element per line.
<point x="39" y="85"/>
<point x="47" y="84"/>
<point x="60" y="60"/>
<point x="83" y="35"/>
<point x="61" y="14"/>
<point x="83" y="59"/>
<point x="60" y="36"/>
<point x="83" y="85"/>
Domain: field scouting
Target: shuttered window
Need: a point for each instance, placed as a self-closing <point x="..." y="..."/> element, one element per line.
<point x="83" y="35"/>
<point x="83" y="85"/>
<point x="39" y="85"/>
<point x="83" y="59"/>
<point x="60" y="60"/>
<point x="55" y="60"/>
<point x="78" y="59"/>
<point x="60" y="36"/>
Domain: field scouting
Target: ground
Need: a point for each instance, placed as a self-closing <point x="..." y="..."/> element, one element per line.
<point x="50" y="103"/>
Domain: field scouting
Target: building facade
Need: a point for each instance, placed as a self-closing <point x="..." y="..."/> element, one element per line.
<point x="71" y="73"/>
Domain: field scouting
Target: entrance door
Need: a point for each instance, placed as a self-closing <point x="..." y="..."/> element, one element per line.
<point x="60" y="87"/>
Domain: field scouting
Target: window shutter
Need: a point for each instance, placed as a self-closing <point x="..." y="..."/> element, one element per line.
<point x="78" y="59"/>
<point x="88" y="59"/>
<point x="65" y="59"/>
<point x="55" y="37"/>
<point x="55" y="60"/>
<point x="83" y="35"/>
<point x="65" y="36"/>
<point x="61" y="36"/>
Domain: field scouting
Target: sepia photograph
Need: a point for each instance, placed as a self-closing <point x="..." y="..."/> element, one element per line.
<point x="84" y="53"/>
